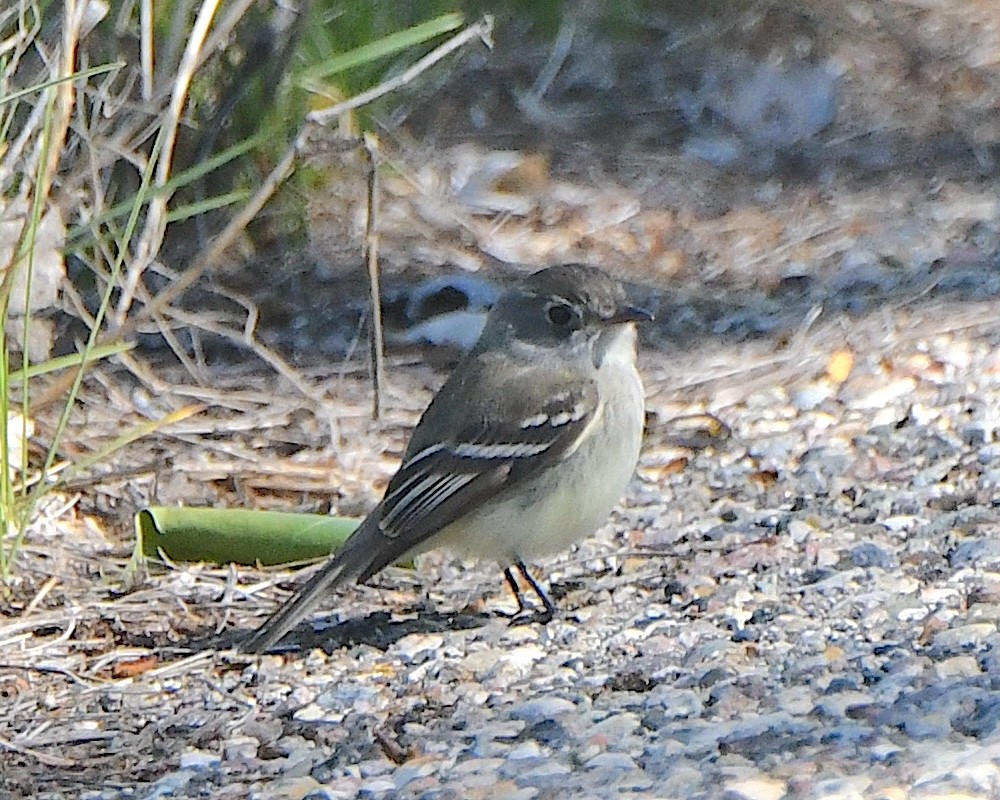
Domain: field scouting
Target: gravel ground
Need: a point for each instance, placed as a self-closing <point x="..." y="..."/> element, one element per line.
<point x="798" y="599"/>
<point x="799" y="596"/>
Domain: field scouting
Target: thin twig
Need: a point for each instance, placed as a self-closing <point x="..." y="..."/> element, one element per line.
<point x="41" y="758"/>
<point x="234" y="14"/>
<point x="249" y="339"/>
<point x="371" y="260"/>
<point x="556" y="59"/>
<point x="146" y="20"/>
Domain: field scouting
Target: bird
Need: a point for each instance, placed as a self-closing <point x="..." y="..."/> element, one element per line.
<point x="525" y="449"/>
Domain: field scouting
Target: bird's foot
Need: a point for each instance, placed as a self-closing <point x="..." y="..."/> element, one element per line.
<point x="530" y="616"/>
<point x="527" y="615"/>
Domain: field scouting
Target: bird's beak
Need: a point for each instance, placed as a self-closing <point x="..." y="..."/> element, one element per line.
<point x="629" y="314"/>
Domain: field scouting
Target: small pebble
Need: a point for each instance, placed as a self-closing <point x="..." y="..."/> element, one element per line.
<point x="755" y="788"/>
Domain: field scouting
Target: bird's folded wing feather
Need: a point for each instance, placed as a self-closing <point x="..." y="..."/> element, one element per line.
<point x="442" y="482"/>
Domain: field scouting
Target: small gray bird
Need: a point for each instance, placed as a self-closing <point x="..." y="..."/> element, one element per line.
<point x="525" y="449"/>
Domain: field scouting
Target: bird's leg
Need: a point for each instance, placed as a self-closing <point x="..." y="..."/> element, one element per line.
<point x="512" y="583"/>
<point x="550" y="607"/>
<point x="523" y="614"/>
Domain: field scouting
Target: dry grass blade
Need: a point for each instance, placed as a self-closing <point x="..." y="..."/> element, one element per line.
<point x="139" y="432"/>
<point x="37" y="755"/>
<point x="156" y="220"/>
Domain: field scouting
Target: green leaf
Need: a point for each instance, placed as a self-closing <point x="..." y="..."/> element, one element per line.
<point x="238" y="536"/>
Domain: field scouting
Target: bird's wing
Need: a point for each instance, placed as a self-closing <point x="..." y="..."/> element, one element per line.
<point x="445" y="480"/>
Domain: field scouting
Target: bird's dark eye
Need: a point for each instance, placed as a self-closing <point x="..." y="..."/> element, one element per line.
<point x="561" y="315"/>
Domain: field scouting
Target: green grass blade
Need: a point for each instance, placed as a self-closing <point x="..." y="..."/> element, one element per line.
<point x="180" y="180"/>
<point x="39" y="87"/>
<point x="386" y="46"/>
<point x="73" y="360"/>
<point x="209" y="204"/>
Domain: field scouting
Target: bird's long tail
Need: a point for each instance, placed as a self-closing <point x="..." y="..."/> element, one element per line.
<point x="351" y="562"/>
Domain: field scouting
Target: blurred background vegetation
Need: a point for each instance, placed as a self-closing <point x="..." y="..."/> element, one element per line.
<point x="157" y="170"/>
<point x="130" y="134"/>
